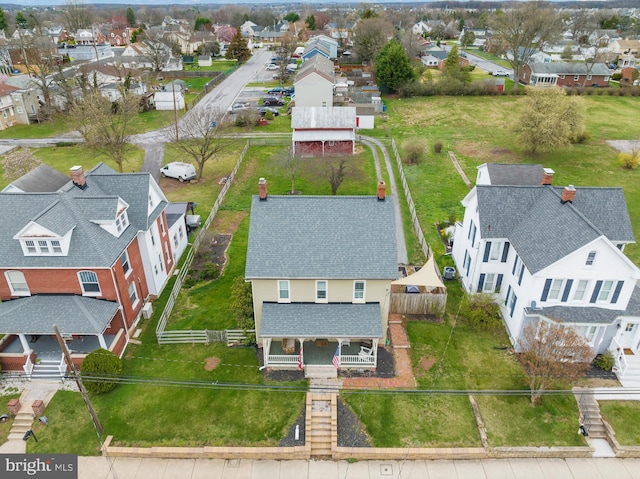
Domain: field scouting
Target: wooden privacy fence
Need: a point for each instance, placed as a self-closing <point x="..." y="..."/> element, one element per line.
<point x="167" y="337"/>
<point x="412" y="208"/>
<point x="418" y="303"/>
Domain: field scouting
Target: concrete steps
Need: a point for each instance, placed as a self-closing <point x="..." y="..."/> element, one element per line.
<point x="47" y="370"/>
<point x="321" y="429"/>
<point x="631" y="378"/>
<point x="590" y="414"/>
<point x="21" y="424"/>
<point x="320" y="371"/>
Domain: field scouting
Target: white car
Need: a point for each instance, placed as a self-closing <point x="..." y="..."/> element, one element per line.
<point x="272" y="66"/>
<point x="500" y="73"/>
<point x="180" y="171"/>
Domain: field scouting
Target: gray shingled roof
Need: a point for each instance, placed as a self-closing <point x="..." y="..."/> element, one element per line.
<point x="41" y="179"/>
<point x="505" y="174"/>
<point x="75" y="208"/>
<point x="567" y="68"/>
<point x="333" y="320"/>
<point x="72" y="314"/>
<point x="542" y="229"/>
<point x="329" y="237"/>
<point x="329" y="117"/>
<point x="590" y="315"/>
<point x="320" y="63"/>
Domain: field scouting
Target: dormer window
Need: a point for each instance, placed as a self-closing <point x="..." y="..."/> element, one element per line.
<point x="122" y="221"/>
<point x="46" y="247"/>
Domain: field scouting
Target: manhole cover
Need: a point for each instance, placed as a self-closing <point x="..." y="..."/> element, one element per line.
<point x="386" y="469"/>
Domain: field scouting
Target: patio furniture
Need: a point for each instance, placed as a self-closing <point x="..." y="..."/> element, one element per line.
<point x="365" y="352"/>
<point x="289" y="345"/>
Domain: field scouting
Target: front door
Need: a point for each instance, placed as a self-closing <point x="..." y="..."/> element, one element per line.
<point x="628" y="336"/>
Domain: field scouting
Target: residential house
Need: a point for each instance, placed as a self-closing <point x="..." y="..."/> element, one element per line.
<point x="113" y="90"/>
<point x="177" y="223"/>
<point x="534" y="55"/>
<point x="627" y="61"/>
<point x="7" y="110"/>
<point x="314" y="49"/>
<point x="314" y="83"/>
<point x="27" y="105"/>
<point x="168" y="100"/>
<point x="624" y="47"/>
<point x="42" y="179"/>
<point x="437" y="58"/>
<point x="84" y="257"/>
<point x="320" y="269"/>
<point x="323" y="131"/>
<point x="481" y="35"/>
<point x="565" y="74"/>
<point x="84" y="36"/>
<point x="329" y="43"/>
<point x="420" y="28"/>
<point x="120" y="37"/>
<point x="554" y="254"/>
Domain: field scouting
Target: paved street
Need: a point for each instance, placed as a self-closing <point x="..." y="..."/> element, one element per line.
<point x="99" y="468"/>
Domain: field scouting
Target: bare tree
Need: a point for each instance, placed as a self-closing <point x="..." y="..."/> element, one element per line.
<point x="370" y="36"/>
<point x="77" y="15"/>
<point x="106" y="125"/>
<point x="593" y="43"/>
<point x="520" y="31"/>
<point x="291" y="164"/>
<point x="198" y="137"/>
<point x="411" y="43"/>
<point x="158" y="50"/>
<point x="551" y="351"/>
<point x="334" y="169"/>
<point x="18" y="163"/>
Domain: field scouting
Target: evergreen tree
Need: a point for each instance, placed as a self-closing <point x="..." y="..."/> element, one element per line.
<point x="291" y="17"/>
<point x="452" y="63"/>
<point x="238" y="49"/>
<point x="311" y="22"/>
<point x="3" y="20"/>
<point x="21" y="21"/>
<point x="201" y="24"/>
<point x="131" y="17"/>
<point x="393" y="67"/>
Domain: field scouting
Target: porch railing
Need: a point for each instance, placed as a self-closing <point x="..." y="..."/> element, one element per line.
<point x="28" y="366"/>
<point x="283" y="358"/>
<point x="348" y="360"/>
<point x="618" y="356"/>
<point x="62" y="367"/>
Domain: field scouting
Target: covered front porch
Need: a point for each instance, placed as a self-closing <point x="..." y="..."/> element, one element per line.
<point x="299" y="335"/>
<point x="85" y="324"/>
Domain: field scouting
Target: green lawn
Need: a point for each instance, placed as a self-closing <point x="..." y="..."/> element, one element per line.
<point x="58" y="126"/>
<point x="623" y="417"/>
<point x="5" y="427"/>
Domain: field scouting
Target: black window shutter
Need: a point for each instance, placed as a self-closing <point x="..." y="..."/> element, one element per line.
<point x="505" y="252"/>
<point x="521" y="274"/>
<point x="513" y="305"/>
<point x="498" y="283"/>
<point x="567" y="288"/>
<point x="545" y="291"/>
<point x="506" y="299"/>
<point x="481" y="283"/>
<point x="487" y="250"/>
<point x="515" y="263"/>
<point x="616" y="293"/>
<point x="596" y="292"/>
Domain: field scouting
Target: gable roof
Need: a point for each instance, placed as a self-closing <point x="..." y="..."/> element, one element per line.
<point x="319" y="63"/>
<point x="325" y="237"/>
<point x="568" y="68"/>
<point x="41" y="179"/>
<point x="542" y="229"/>
<point x="327" y="117"/>
<point x="513" y="174"/>
<point x="74" y="209"/>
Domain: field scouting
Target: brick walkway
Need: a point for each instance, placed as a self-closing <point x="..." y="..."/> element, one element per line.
<point x="404" y="373"/>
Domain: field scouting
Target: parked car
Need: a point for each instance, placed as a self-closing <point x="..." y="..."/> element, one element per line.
<point x="236" y="107"/>
<point x="272" y="67"/>
<point x="500" y="73"/>
<point x="272" y="101"/>
<point x="179" y="170"/>
<point x="264" y="109"/>
<point x="280" y="91"/>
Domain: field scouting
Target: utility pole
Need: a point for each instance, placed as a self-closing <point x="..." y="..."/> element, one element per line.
<point x="78" y="379"/>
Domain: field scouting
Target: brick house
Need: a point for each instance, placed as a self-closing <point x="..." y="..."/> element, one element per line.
<point x="86" y="257"/>
<point x="565" y="74"/>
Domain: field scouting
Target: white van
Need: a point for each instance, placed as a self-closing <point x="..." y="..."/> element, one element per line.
<point x="179" y="170"/>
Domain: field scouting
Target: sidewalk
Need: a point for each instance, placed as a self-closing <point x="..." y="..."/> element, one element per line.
<point x="99" y="468"/>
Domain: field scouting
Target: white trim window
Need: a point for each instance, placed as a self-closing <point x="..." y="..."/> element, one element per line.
<point x="581" y="290"/>
<point x="605" y="291"/>
<point x="359" y="288"/>
<point x="89" y="283"/>
<point x="322" y="291"/>
<point x="17" y="283"/>
<point x="555" y="290"/>
<point x="591" y="258"/>
<point x="133" y="294"/>
<point x="284" y="295"/>
<point x="40" y="247"/>
<point x="122" y="222"/>
<point x="124" y="260"/>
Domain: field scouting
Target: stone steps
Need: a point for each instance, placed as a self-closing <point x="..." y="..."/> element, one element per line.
<point x="321" y="423"/>
<point x="590" y="414"/>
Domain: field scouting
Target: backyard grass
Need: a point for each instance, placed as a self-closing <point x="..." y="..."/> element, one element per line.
<point x="58" y="126"/>
<point x="623" y="417"/>
<point x="5" y="426"/>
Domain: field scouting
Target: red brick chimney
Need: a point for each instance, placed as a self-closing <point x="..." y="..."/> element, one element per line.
<point x="568" y="194"/>
<point x="382" y="190"/>
<point x="547" y="176"/>
<point x="262" y="189"/>
<point x="77" y="176"/>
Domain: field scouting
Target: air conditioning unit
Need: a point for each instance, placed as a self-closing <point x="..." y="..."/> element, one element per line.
<point x="147" y="311"/>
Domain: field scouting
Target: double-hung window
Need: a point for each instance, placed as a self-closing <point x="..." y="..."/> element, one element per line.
<point x="17" y="283"/>
<point x="581" y="289"/>
<point x="321" y="291"/>
<point x="133" y="294"/>
<point x="358" y="291"/>
<point x="124" y="260"/>
<point x="283" y="291"/>
<point x="89" y="283"/>
<point x="605" y="291"/>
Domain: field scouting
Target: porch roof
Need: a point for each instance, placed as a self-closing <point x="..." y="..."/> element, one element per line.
<point x="72" y="314"/>
<point x="318" y="320"/>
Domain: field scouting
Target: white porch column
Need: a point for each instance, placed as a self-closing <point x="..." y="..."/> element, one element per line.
<point x="266" y="347"/>
<point x="25" y="344"/>
<point x="103" y="343"/>
<point x="375" y="352"/>
<point x="301" y="341"/>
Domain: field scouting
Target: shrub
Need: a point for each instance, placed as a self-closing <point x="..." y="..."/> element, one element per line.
<point x="604" y="361"/>
<point x="62" y="144"/>
<point x="414" y="150"/>
<point x="101" y="363"/>
<point x="616" y="76"/>
<point x="630" y="161"/>
<point x="269" y="115"/>
<point x="437" y="147"/>
<point x="580" y="138"/>
<point x="482" y="312"/>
